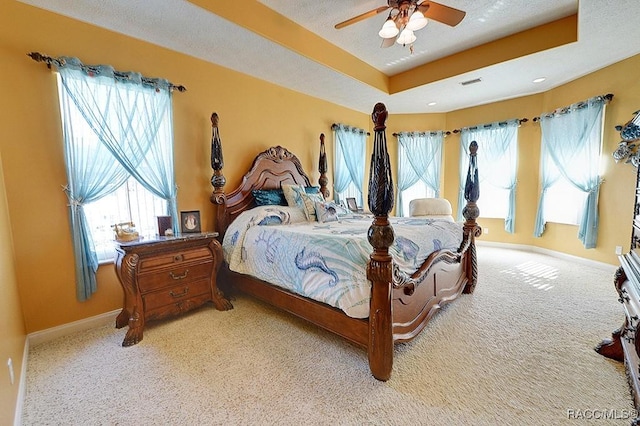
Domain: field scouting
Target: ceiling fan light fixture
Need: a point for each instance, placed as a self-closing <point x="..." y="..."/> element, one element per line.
<point x="417" y="21"/>
<point x="389" y="29"/>
<point x="406" y="37"/>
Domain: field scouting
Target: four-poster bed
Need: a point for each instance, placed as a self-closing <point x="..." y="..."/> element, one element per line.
<point x="400" y="304"/>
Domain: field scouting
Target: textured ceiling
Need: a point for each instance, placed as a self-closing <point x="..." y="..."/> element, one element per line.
<point x="217" y="31"/>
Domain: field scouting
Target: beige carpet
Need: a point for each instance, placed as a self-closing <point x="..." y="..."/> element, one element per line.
<point x="518" y="351"/>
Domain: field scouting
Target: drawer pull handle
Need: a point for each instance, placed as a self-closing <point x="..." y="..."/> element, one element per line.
<point x="177" y="295"/>
<point x="179" y="277"/>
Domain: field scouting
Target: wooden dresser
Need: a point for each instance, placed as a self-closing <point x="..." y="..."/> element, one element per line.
<point x="167" y="276"/>
<point x="624" y="344"/>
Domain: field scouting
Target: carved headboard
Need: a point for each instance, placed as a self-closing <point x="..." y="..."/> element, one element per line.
<point x="270" y="169"/>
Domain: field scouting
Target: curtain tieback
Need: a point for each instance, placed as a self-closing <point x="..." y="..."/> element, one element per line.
<point x="73" y="202"/>
<point x="597" y="187"/>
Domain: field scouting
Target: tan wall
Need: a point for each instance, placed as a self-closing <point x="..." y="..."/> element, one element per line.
<point x="12" y="332"/>
<point x="253" y="115"/>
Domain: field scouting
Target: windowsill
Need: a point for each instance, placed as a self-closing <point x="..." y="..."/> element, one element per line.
<point x="556" y="222"/>
<point x="106" y="262"/>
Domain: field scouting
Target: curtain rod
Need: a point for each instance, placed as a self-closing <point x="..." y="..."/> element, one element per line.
<point x="607" y="98"/>
<point x="448" y="132"/>
<point x="431" y="132"/>
<point x="486" y="126"/>
<point x="58" y="62"/>
<point x="336" y="125"/>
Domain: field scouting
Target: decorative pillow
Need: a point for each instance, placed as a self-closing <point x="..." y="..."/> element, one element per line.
<point x="326" y="212"/>
<point x="275" y="197"/>
<point x="274" y="215"/>
<point x="269" y="197"/>
<point x="342" y="210"/>
<point x="297" y="196"/>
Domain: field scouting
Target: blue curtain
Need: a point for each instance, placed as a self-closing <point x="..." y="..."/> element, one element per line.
<point x="419" y="159"/>
<point x="571" y="147"/>
<point x="350" y="144"/>
<point x="497" y="144"/>
<point x="127" y="131"/>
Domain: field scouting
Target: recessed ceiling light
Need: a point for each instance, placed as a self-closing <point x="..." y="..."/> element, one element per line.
<point x="539" y="80"/>
<point x="431" y="104"/>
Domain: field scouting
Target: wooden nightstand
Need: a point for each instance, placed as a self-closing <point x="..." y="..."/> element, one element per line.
<point x="167" y="276"/>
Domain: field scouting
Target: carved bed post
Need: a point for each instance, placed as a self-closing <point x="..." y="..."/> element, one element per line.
<point x="322" y="168"/>
<point x="471" y="212"/>
<point x="217" y="180"/>
<point x="381" y="236"/>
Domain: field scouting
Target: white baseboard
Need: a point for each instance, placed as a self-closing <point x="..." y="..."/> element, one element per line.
<point x="49" y="334"/>
<point x="593" y="263"/>
<point x="22" y="385"/>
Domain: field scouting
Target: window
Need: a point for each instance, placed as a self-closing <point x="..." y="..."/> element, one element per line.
<point x="349" y="156"/>
<point x="569" y="167"/>
<point x="129" y="203"/>
<point x="563" y="203"/>
<point x="419" y="166"/>
<point x="497" y="165"/>
<point x="417" y="190"/>
<point x="493" y="201"/>
<point x="351" y="191"/>
<point x="118" y="149"/>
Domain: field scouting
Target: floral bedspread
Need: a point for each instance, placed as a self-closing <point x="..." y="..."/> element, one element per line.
<point x="327" y="261"/>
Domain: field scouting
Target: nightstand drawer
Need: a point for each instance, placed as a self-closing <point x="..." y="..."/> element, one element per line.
<point x="176" y="293"/>
<point x="173" y="259"/>
<point x="177" y="307"/>
<point x="184" y="273"/>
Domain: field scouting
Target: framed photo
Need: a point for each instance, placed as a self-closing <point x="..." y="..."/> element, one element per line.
<point x="190" y="221"/>
<point x="165" y="226"/>
<point x="351" y="203"/>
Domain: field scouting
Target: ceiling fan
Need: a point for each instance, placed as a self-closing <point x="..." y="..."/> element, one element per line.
<point x="407" y="16"/>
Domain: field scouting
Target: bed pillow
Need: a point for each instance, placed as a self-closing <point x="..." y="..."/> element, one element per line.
<point x="326" y="212"/>
<point x="269" y="197"/>
<point x="274" y="215"/>
<point x="275" y="197"/>
<point x="297" y="196"/>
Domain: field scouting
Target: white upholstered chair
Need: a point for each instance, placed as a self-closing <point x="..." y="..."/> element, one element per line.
<point x="431" y="207"/>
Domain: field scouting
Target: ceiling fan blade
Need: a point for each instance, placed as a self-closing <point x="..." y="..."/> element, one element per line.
<point x="441" y="13"/>
<point x="362" y="17"/>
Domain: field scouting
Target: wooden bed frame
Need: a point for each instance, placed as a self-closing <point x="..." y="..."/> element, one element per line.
<point x="400" y="305"/>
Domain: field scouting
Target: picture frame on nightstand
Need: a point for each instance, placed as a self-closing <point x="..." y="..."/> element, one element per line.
<point x="165" y="226"/>
<point x="190" y="222"/>
<point x="351" y="204"/>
